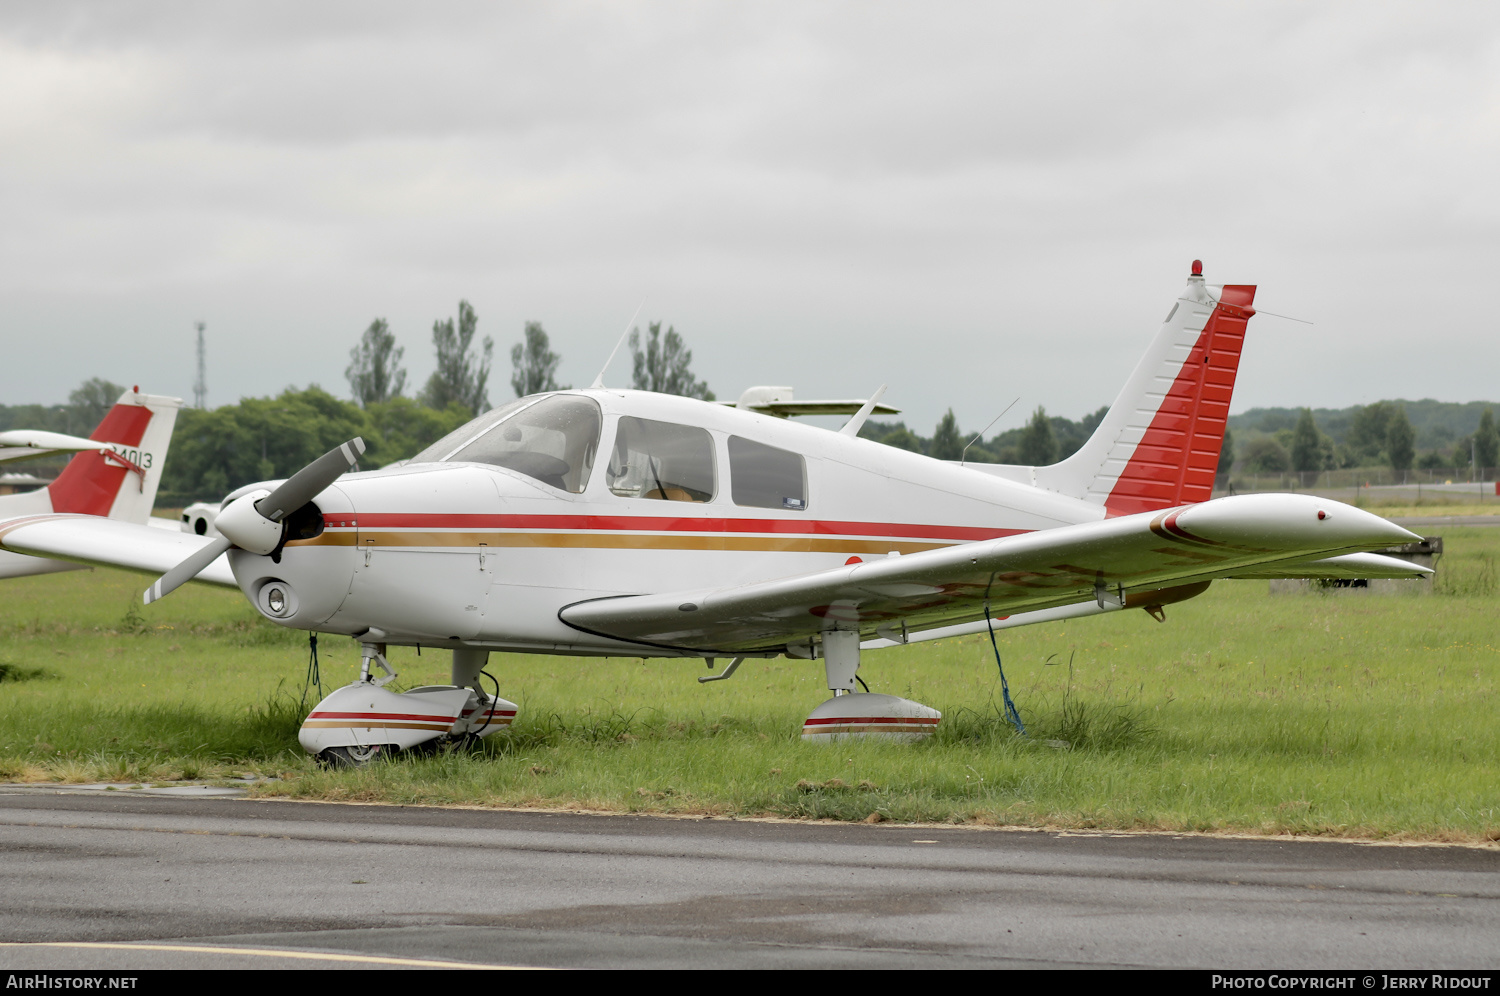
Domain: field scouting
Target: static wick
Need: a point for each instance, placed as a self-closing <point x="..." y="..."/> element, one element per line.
<point x="984" y="430"/>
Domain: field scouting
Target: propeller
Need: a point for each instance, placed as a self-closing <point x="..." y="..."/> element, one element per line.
<point x="254" y="522"/>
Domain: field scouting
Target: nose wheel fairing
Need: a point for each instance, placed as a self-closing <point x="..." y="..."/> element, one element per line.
<point x="870" y="716"/>
<point x="364" y="715"/>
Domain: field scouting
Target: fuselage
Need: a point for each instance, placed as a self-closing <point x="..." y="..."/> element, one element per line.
<point x="485" y="536"/>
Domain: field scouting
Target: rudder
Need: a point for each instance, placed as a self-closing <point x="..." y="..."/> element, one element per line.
<point x="121" y="483"/>
<point x="1158" y="447"/>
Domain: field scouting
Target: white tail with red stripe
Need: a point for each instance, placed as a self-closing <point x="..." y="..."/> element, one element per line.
<point x="120" y="483"/>
<point x="117" y="481"/>
<point x="1158" y="447"/>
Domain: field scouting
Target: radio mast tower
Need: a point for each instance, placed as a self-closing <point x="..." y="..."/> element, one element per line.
<point x="200" y="386"/>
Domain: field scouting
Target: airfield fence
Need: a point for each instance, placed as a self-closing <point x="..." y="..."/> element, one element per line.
<point x="1358" y="478"/>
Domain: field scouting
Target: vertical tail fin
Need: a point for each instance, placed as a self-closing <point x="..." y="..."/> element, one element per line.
<point x="120" y="483"/>
<point x="1159" y="445"/>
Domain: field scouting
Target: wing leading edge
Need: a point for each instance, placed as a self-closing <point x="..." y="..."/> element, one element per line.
<point x="1105" y="561"/>
<point x="90" y="539"/>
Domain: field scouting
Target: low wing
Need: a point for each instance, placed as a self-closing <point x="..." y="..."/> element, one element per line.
<point x="1108" y="560"/>
<point x="90" y="539"/>
<point x="1350" y="567"/>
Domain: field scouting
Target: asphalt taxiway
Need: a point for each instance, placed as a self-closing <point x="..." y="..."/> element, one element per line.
<point x="110" y="880"/>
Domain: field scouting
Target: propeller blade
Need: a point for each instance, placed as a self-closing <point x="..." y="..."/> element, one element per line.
<point x="293" y="493"/>
<point x="305" y="484"/>
<point x="187" y="570"/>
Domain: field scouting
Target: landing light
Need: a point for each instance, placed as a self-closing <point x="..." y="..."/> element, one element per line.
<point x="277" y="600"/>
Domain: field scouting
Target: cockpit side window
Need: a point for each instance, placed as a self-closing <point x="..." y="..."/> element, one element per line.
<point x="553" y="441"/>
<point x="661" y="460"/>
<point x="762" y="476"/>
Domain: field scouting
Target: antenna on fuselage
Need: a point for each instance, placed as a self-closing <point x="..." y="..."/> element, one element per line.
<point x="857" y="420"/>
<point x="984" y="430"/>
<point x="599" y="380"/>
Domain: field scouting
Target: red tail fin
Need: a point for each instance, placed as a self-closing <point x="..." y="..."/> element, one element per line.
<point x="1158" y="447"/>
<point x="122" y="483"/>
<point x="1178" y="456"/>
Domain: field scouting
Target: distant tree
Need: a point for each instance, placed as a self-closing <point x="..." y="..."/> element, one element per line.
<point x="1487" y="442"/>
<point x="897" y="435"/>
<point x="662" y="365"/>
<point x="947" y="442"/>
<point x="1307" y="450"/>
<point x="1226" y="452"/>
<point x="375" y="373"/>
<point x="1038" y="445"/>
<point x="1266" y="456"/>
<point x="1072" y="435"/>
<point x="1433" y="460"/>
<point x="460" y="377"/>
<point x="402" y="428"/>
<point x="1399" y="440"/>
<point x="1091" y="421"/>
<point x="1369" y="429"/>
<point x="89" y="403"/>
<point x="1274" y="421"/>
<point x="214" y="450"/>
<point x="534" y="364"/>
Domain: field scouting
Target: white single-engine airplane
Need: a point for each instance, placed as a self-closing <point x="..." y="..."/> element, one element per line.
<point x="613" y="522"/>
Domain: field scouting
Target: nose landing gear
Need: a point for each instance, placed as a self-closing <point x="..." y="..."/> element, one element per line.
<point x="364" y="721"/>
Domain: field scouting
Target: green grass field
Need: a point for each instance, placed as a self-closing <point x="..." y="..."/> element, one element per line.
<point x="1340" y="715"/>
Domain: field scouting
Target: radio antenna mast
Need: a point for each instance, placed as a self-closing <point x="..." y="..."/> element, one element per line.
<point x="200" y="386"/>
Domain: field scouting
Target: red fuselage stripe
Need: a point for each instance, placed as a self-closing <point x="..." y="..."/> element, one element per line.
<point x="829" y="720"/>
<point x="403" y="716"/>
<point x="649" y="523"/>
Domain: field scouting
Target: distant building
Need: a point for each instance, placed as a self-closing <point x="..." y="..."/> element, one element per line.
<point x="13" y="484"/>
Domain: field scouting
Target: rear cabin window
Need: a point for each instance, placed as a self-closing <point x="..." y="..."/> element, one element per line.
<point x="762" y="476"/>
<point x="662" y="461"/>
<point x="553" y="441"/>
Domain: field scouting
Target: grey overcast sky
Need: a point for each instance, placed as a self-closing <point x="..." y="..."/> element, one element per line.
<point x="969" y="201"/>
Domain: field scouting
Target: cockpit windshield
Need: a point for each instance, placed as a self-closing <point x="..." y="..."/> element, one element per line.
<point x="445" y="447"/>
<point x="553" y="441"/>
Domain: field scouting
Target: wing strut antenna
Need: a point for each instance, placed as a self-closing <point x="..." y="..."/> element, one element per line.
<point x="599" y="380"/>
<point x="857" y="420"/>
<point x="984" y="430"/>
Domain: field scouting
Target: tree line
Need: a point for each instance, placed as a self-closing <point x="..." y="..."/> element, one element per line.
<point x="1042" y="440"/>
<point x="1379" y="434"/>
<point x="216" y="450"/>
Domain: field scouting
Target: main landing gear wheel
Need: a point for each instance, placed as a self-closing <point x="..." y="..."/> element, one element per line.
<point x="355" y="757"/>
